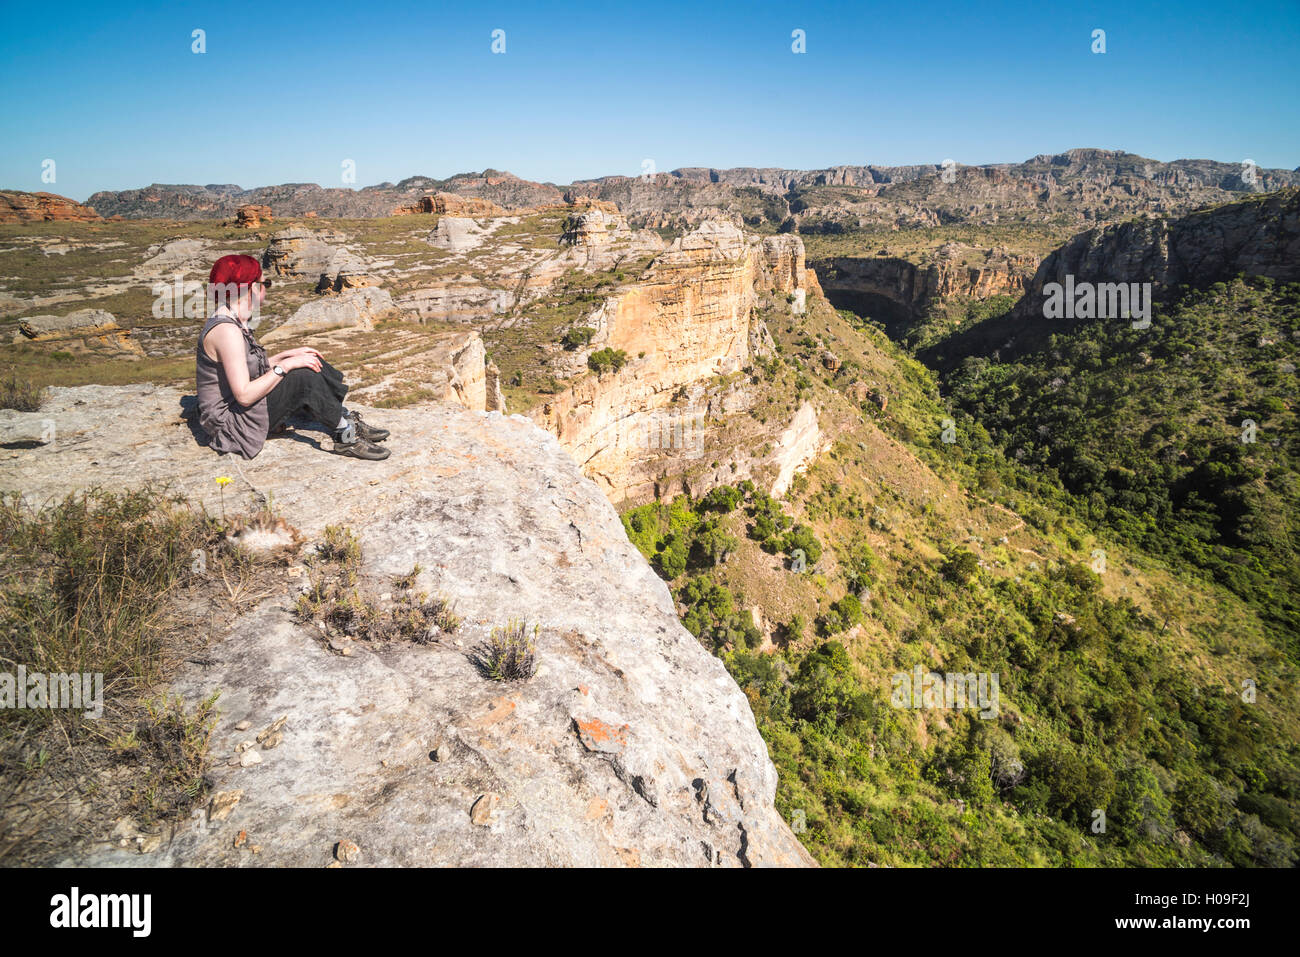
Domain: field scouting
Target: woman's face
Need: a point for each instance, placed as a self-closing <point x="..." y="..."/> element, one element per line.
<point x="251" y="303"/>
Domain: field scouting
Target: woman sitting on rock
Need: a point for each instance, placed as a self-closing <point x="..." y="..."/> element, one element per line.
<point x="243" y="395"/>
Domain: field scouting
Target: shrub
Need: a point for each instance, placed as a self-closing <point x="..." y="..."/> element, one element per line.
<point x="801" y="537"/>
<point x="604" y="360"/>
<point x="673" y="552"/>
<point x="842" y="616"/>
<point x="710" y="545"/>
<point x="577" y="337"/>
<point x="510" y="654"/>
<point x="961" y="566"/>
<point x="722" y="499"/>
<point x="22" y="395"/>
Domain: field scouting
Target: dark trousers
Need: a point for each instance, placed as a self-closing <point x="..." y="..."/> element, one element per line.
<point x="310" y="395"/>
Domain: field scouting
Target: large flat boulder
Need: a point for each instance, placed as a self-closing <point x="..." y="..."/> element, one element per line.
<point x="630" y="745"/>
<point x="81" y="323"/>
<point x="354" y="309"/>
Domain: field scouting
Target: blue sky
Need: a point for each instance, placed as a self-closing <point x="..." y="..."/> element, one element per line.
<point x="118" y="99"/>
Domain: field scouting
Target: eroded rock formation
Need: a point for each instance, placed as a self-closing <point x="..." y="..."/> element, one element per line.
<point x="85" y="330"/>
<point x="357" y="308"/>
<point x="689" y="318"/>
<point x="903" y="289"/>
<point x="449" y="204"/>
<point x="631" y="744"/>
<point x="19" y="207"/>
<point x="252" y="215"/>
<point x="311" y="253"/>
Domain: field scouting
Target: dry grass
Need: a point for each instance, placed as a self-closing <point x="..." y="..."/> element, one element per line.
<point x="20" y="394"/>
<point x="118" y="585"/>
<point x="350" y="610"/>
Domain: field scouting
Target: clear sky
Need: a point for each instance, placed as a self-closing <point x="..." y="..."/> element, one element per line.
<point x="287" y="93"/>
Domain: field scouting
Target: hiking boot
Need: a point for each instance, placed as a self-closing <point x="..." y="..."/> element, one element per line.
<point x="360" y="448"/>
<point x="368" y="432"/>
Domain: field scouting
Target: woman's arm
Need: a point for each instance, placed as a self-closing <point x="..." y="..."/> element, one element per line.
<point x="233" y="356"/>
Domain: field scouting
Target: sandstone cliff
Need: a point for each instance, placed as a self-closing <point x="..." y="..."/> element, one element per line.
<point x="689" y="318"/>
<point x="449" y="204"/>
<point x="1081" y="184"/>
<point x="17" y="207"/>
<point x="1257" y="237"/>
<point x="631" y="745"/>
<point x="898" y="291"/>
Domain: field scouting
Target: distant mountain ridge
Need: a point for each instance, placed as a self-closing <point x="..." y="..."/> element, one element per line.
<point x="1084" y="184"/>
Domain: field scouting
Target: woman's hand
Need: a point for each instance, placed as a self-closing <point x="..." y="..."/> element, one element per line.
<point x="279" y="358"/>
<point x="310" y="359"/>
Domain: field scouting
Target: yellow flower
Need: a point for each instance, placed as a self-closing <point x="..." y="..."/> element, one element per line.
<point x="224" y="480"/>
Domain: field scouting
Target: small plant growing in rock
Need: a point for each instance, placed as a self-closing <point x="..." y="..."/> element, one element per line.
<point x="341" y="546"/>
<point x="334" y="599"/>
<point x="510" y="654"/>
<point x="577" y="337"/>
<point x="21" y="395"/>
<point x="407" y="582"/>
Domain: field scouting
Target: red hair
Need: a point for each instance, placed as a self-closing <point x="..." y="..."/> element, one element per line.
<point x="231" y="278"/>
<point x="235" y="269"/>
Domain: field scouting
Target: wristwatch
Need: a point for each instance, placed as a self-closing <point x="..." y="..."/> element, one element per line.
<point x="278" y="371"/>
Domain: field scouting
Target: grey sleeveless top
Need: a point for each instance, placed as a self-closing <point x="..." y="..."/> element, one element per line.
<point x="230" y="426"/>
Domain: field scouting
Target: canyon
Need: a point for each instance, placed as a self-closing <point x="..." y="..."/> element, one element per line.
<point x="547" y="358"/>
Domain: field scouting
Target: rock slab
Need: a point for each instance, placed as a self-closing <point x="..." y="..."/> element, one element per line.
<point x="503" y="523"/>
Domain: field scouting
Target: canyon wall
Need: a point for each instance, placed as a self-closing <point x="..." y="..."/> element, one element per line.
<point x="688" y="319"/>
<point x="1260" y="237"/>
<point x="906" y="290"/>
<point x="18" y="207"/>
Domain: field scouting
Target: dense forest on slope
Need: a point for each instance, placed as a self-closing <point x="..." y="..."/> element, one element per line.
<point x="1179" y="438"/>
<point x="1147" y="712"/>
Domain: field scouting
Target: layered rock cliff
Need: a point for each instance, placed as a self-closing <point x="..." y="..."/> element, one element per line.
<point x="1082" y="184"/>
<point x="900" y="289"/>
<point x="18" y="207"/>
<point x="630" y="745"/>
<point x="688" y="319"/>
<point x="1255" y="237"/>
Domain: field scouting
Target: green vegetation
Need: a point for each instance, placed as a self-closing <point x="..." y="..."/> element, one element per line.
<point x="1150" y="432"/>
<point x="1133" y="696"/>
<point x="510" y="654"/>
<point x="605" y="360"/>
<point x="577" y="337"/>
